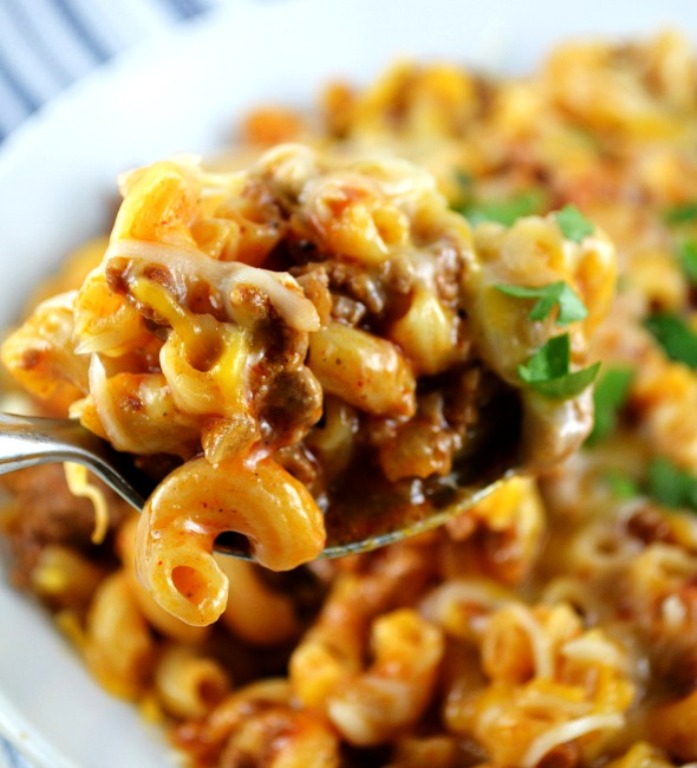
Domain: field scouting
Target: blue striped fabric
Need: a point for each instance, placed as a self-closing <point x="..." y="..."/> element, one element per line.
<point x="47" y="44"/>
<point x="10" y="757"/>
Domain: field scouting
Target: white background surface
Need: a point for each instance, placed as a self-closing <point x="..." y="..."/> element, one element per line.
<point x="181" y="93"/>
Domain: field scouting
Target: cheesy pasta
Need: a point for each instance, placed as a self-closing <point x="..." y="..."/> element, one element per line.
<point x="198" y="354"/>
<point x="340" y="326"/>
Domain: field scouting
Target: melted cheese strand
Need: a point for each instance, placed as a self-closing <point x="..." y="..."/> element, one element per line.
<point x="567" y="732"/>
<point x="78" y="480"/>
<point x="283" y="291"/>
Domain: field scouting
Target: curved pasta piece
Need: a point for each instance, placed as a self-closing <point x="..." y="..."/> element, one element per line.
<point x="256" y="613"/>
<point x="219" y="388"/>
<point x="189" y="683"/>
<point x="41" y="354"/>
<point x="260" y="723"/>
<point x="256" y="498"/>
<point x="355" y="218"/>
<point x="65" y="577"/>
<point x="370" y="708"/>
<point x="367" y="372"/>
<point x="104" y="321"/>
<point x="362" y="619"/>
<point x="136" y="412"/>
<point x="170" y="627"/>
<point x="428" y="334"/>
<point x="159" y="202"/>
<point x="119" y="647"/>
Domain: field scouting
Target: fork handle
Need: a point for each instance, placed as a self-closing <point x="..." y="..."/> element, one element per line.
<point x="27" y="441"/>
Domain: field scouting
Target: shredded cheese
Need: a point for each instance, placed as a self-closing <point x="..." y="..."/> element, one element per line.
<point x="78" y="481"/>
<point x="566" y="732"/>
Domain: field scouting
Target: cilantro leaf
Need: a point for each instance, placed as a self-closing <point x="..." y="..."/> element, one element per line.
<point x="506" y="211"/>
<point x="681" y="214"/>
<point x="687" y="256"/>
<point x="609" y="396"/>
<point x="573" y="224"/>
<point x="560" y="294"/>
<point x="621" y="485"/>
<point x="678" y="340"/>
<point x="672" y="486"/>
<point x="548" y="372"/>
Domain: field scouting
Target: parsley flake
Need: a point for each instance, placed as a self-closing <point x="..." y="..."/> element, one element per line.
<point x="609" y="396"/>
<point x="676" y="337"/>
<point x="573" y="224"/>
<point x="665" y="483"/>
<point x="507" y="211"/>
<point x="687" y="256"/>
<point x="681" y="214"/>
<point x="621" y="485"/>
<point x="671" y="486"/>
<point x="548" y="371"/>
<point x="560" y="294"/>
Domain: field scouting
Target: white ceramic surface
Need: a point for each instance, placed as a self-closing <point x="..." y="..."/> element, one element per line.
<point x="182" y="93"/>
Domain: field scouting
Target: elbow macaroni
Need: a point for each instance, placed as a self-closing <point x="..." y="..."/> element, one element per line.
<point x="254" y="496"/>
<point x="223" y="364"/>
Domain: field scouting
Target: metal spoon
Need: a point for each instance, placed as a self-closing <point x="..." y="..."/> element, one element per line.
<point x="353" y="525"/>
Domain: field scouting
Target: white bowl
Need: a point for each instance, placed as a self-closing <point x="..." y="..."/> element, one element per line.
<point x="183" y="93"/>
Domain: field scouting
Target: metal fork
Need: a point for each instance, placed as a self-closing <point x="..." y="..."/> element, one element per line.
<point x="27" y="441"/>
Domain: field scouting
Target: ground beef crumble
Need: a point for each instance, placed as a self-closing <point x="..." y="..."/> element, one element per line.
<point x="41" y="511"/>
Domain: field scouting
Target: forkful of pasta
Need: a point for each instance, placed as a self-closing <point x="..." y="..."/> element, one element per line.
<point x="324" y="356"/>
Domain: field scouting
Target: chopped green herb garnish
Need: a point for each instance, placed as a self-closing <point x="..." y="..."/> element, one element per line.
<point x="681" y="214"/>
<point x="665" y="483"/>
<point x="609" y="396"/>
<point x="560" y="294"/>
<point x="573" y="224"/>
<point x="548" y="370"/>
<point x="621" y="486"/>
<point x="672" y="486"/>
<point x="687" y="256"/>
<point x="463" y="179"/>
<point x="678" y="340"/>
<point x="506" y="211"/>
